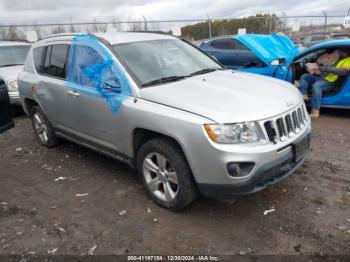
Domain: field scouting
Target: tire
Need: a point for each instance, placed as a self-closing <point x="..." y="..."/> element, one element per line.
<point x="168" y="162"/>
<point x="43" y="130"/>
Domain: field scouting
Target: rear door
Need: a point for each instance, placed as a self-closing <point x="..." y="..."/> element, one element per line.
<point x="52" y="93"/>
<point x="6" y="121"/>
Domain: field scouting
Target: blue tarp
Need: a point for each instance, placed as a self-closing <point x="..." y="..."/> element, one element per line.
<point x="93" y="70"/>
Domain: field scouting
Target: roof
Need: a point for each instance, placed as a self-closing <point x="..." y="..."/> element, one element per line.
<point x="12" y="43"/>
<point x="120" y="37"/>
<point x="333" y="43"/>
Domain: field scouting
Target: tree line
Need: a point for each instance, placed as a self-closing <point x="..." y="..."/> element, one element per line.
<point x="260" y="24"/>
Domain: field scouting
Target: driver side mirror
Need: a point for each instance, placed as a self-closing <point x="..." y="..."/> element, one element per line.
<point x="112" y="86"/>
<point x="278" y="62"/>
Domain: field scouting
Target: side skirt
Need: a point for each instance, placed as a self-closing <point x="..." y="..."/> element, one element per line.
<point x="97" y="148"/>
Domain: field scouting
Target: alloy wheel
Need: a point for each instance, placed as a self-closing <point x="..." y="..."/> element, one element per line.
<point x="160" y="177"/>
<point x="40" y="128"/>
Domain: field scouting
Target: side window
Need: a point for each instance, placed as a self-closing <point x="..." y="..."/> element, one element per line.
<point x="55" y="61"/>
<point x="88" y="68"/>
<point x="240" y="46"/>
<point x="38" y="59"/>
<point x="226" y="43"/>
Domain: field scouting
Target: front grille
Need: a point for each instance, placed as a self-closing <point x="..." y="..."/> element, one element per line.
<point x="287" y="125"/>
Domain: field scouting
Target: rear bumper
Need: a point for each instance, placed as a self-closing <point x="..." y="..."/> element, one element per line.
<point x="266" y="176"/>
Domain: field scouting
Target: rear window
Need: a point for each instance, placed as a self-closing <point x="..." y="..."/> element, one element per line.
<point x="56" y="60"/>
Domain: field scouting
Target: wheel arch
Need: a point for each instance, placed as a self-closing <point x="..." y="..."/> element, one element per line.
<point x="142" y="135"/>
<point x="28" y="104"/>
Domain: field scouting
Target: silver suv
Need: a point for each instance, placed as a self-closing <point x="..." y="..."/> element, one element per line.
<point x="12" y="57"/>
<point x="167" y="109"/>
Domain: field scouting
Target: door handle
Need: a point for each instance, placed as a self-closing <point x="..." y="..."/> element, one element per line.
<point x="73" y="93"/>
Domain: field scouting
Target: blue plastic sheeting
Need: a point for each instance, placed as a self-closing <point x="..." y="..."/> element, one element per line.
<point x="92" y="70"/>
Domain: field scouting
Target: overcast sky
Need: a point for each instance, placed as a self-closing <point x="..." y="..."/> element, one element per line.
<point x="41" y="11"/>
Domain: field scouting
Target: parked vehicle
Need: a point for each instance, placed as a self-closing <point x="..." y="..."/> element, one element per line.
<point x="339" y="36"/>
<point x="167" y="109"/>
<point x="6" y="121"/>
<point x="280" y="58"/>
<point x="311" y="40"/>
<point x="12" y="57"/>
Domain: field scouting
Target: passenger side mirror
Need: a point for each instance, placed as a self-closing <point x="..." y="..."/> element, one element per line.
<point x="278" y="62"/>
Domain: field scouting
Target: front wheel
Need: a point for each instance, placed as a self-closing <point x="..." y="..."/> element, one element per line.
<point x="165" y="174"/>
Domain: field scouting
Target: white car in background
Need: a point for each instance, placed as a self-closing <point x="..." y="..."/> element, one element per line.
<point x="12" y="57"/>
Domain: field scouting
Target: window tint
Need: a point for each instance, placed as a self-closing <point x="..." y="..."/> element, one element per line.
<point x="240" y="46"/>
<point x="226" y="43"/>
<point x="55" y="62"/>
<point x="38" y="59"/>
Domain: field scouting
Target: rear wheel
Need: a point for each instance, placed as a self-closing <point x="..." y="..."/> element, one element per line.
<point x="165" y="174"/>
<point x="42" y="128"/>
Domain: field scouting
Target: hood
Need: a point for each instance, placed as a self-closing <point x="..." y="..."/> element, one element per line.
<point x="269" y="47"/>
<point x="226" y="96"/>
<point x="10" y="72"/>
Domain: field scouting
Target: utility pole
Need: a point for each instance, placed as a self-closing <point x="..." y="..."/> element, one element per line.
<point x="325" y="22"/>
<point x="209" y="24"/>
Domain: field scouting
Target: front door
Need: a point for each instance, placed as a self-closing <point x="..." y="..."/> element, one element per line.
<point x="94" y="79"/>
<point x="6" y="121"/>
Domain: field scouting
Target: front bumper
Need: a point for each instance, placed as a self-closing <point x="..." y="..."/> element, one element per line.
<point x="266" y="176"/>
<point x="14" y="98"/>
<point x="273" y="163"/>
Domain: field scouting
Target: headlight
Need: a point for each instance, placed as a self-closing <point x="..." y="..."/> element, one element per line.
<point x="12" y="85"/>
<point x="232" y="133"/>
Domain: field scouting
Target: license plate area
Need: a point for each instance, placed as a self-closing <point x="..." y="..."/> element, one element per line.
<point x="300" y="148"/>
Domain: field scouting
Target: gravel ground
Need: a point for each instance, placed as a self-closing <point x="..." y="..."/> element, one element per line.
<point x="41" y="215"/>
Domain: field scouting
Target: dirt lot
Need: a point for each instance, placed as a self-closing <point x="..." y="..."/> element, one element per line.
<point x="41" y="215"/>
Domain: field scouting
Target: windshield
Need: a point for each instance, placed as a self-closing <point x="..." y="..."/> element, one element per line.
<point x="169" y="59"/>
<point x="13" y="55"/>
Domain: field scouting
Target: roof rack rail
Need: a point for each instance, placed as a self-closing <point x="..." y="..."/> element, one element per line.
<point x="149" y="32"/>
<point x="58" y="35"/>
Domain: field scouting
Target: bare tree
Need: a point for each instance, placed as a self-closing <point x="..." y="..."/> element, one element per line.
<point x="3" y="32"/>
<point x="12" y="33"/>
<point x="59" y="29"/>
<point x="116" y="24"/>
<point x="135" y="26"/>
<point x="37" y="29"/>
<point x="153" y="26"/>
<point x="97" y="27"/>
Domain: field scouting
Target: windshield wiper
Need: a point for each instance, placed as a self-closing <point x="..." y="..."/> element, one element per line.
<point x="163" y="80"/>
<point x="205" y="71"/>
<point x="10" y="65"/>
